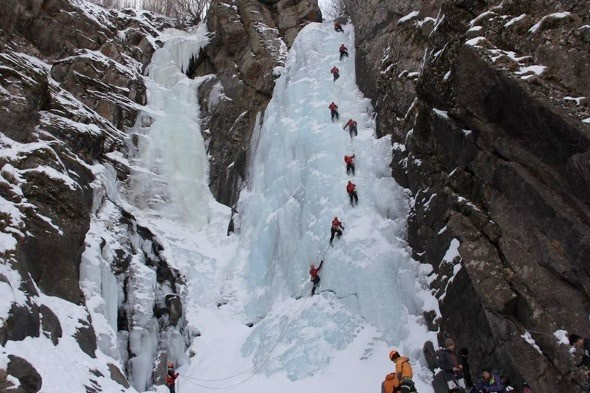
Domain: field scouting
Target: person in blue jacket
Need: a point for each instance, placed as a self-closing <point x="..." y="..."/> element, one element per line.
<point x="489" y="382"/>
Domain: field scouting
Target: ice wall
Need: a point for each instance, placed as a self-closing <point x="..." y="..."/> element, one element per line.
<point x="372" y="293"/>
<point x="170" y="176"/>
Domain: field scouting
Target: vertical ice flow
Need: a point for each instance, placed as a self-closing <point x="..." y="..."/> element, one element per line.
<point x="171" y="162"/>
<point x="372" y="293"/>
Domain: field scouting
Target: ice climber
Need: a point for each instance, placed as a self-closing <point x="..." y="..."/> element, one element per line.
<point x="315" y="278"/>
<point x="171" y="376"/>
<point x="450" y="364"/>
<point x="352" y="128"/>
<point x="334" y="111"/>
<point x="581" y="349"/>
<point x="343" y="51"/>
<point x="489" y="382"/>
<point x="338" y="27"/>
<point x="351" y="190"/>
<point x="336" y="72"/>
<point x="401" y="379"/>
<point x="464" y="359"/>
<point x="336" y="229"/>
<point x="349" y="160"/>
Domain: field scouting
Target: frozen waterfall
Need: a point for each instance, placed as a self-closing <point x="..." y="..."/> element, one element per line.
<point x="171" y="162"/>
<point x="372" y="293"/>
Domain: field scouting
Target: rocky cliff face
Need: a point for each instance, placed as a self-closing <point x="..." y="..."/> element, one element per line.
<point x="71" y="84"/>
<point x="248" y="46"/>
<point x="488" y="102"/>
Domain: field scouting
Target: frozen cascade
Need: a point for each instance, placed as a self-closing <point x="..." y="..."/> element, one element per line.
<point x="171" y="162"/>
<point x="372" y="293"/>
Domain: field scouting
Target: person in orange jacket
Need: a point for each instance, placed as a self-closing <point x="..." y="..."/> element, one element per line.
<point x="336" y="229"/>
<point x="352" y="128"/>
<point x="334" y="111"/>
<point x="351" y="190"/>
<point x="401" y="379"/>
<point x="349" y="160"/>
<point x="343" y="51"/>
<point x="314" y="272"/>
<point x="336" y="72"/>
<point x="171" y="376"/>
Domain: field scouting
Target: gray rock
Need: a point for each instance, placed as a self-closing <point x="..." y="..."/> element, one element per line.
<point x="29" y="378"/>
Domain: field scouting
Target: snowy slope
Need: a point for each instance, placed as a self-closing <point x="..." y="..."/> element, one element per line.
<point x="371" y="296"/>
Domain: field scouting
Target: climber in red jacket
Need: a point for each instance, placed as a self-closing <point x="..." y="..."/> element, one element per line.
<point x="343" y="51"/>
<point x="336" y="229"/>
<point x="351" y="190"/>
<point x="171" y="376"/>
<point x="352" y="128"/>
<point x="349" y="160"/>
<point x="334" y="111"/>
<point x="338" y="27"/>
<point x="315" y="278"/>
<point x="336" y="72"/>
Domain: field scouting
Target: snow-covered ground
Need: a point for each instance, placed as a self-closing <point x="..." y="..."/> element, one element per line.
<point x="372" y="293"/>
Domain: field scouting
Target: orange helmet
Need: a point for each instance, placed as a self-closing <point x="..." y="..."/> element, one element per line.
<point x="393" y="354"/>
<point x="170" y="365"/>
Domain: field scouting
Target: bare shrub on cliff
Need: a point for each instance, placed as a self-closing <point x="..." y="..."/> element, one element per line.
<point x="334" y="9"/>
<point x="194" y="10"/>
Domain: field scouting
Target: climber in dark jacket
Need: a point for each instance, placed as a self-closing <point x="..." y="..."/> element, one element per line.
<point x="451" y="366"/>
<point x="338" y="27"/>
<point x="463" y="358"/>
<point x="489" y="382"/>
<point x="582" y="347"/>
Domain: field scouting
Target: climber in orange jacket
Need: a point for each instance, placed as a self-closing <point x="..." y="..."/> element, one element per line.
<point x="351" y="190"/>
<point x="336" y="72"/>
<point x="343" y="51"/>
<point x="315" y="277"/>
<point x="171" y="376"/>
<point x="352" y="128"/>
<point x="401" y="380"/>
<point x="349" y="160"/>
<point x="336" y="229"/>
<point x="334" y="111"/>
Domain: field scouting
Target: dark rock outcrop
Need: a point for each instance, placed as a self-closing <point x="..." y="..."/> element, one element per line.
<point x="492" y="144"/>
<point x="70" y="85"/>
<point x="29" y="378"/>
<point x="249" y="41"/>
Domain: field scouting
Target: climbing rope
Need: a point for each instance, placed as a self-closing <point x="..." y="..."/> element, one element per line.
<point x="255" y="368"/>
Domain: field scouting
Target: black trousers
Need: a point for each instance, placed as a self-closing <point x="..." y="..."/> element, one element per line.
<point x="335" y="115"/>
<point x="316" y="284"/>
<point x="355" y="197"/>
<point x="350" y="169"/>
<point x="339" y="29"/>
<point x="353" y="131"/>
<point x="334" y="232"/>
<point x="172" y="388"/>
<point x="336" y="76"/>
<point x="407" y="386"/>
<point x="342" y="54"/>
